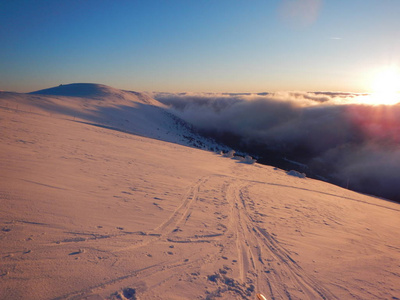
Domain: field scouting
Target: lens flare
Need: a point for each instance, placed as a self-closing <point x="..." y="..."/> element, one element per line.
<point x="386" y="87"/>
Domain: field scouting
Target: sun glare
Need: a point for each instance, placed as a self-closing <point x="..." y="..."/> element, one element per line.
<point x="386" y="87"/>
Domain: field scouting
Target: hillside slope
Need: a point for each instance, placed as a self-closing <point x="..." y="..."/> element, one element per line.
<point x="101" y="105"/>
<point x="91" y="212"/>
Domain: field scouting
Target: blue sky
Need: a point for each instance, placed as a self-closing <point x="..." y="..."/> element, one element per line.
<point x="198" y="46"/>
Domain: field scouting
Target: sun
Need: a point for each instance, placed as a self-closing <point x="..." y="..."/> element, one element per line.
<point x="386" y="87"/>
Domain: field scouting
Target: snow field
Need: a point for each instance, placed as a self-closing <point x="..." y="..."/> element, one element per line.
<point x="94" y="212"/>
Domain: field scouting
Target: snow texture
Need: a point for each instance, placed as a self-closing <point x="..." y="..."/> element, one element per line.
<point x="296" y="174"/>
<point x="101" y="198"/>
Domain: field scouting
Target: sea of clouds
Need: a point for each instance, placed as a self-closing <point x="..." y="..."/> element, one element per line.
<point x="336" y="134"/>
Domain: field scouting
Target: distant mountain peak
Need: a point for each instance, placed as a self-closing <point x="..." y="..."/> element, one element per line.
<point x="98" y="92"/>
<point x="78" y="90"/>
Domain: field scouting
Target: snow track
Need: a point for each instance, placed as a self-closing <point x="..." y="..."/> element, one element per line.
<point x="241" y="257"/>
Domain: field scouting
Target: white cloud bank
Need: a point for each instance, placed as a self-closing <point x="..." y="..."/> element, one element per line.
<point x="334" y="133"/>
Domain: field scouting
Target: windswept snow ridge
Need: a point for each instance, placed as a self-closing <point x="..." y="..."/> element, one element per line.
<point x="127" y="111"/>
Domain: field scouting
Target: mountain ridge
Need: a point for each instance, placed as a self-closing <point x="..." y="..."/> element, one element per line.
<point x="95" y="91"/>
<point x="127" y="111"/>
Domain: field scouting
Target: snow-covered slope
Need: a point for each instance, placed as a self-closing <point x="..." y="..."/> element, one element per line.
<point x="101" y="105"/>
<point x="91" y="212"/>
<point x="99" y="92"/>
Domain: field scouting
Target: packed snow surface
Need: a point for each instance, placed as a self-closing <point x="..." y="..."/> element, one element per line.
<point x="97" y="203"/>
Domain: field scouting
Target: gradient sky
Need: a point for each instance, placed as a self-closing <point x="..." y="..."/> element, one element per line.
<point x="198" y="45"/>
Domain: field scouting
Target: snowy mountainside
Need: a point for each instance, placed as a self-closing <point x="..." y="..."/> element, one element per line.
<point x="101" y="105"/>
<point x="91" y="212"/>
<point x="97" y="91"/>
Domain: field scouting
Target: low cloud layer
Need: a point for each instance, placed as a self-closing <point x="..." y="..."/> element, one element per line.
<point x="333" y="133"/>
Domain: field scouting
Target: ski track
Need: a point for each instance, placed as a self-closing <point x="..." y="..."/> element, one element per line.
<point x="262" y="263"/>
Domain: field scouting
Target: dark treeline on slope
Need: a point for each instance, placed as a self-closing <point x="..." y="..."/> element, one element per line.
<point x="349" y="144"/>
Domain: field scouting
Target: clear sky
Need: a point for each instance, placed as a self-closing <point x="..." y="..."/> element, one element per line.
<point x="198" y="45"/>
